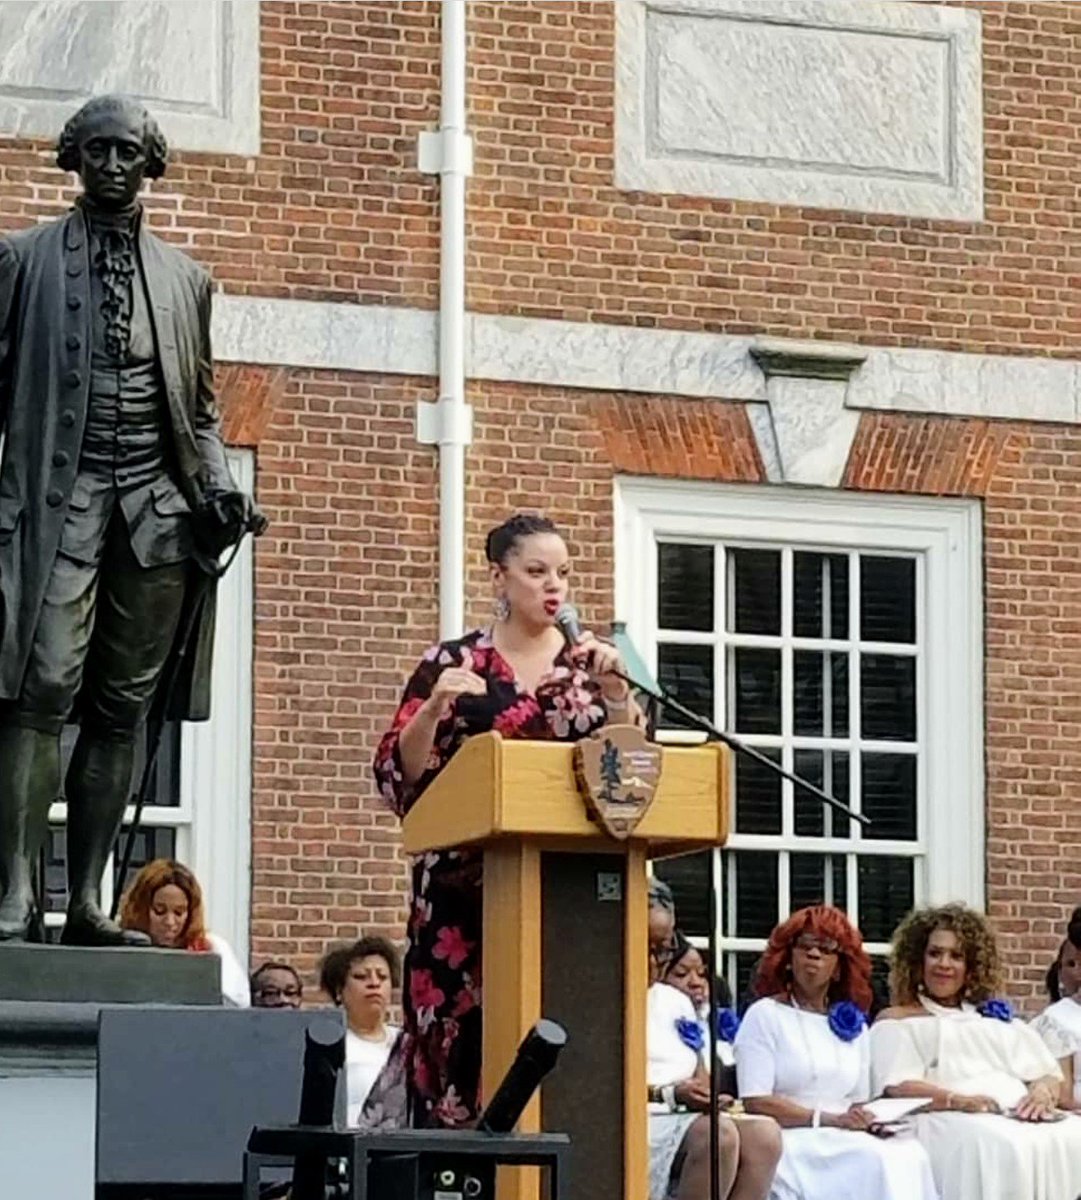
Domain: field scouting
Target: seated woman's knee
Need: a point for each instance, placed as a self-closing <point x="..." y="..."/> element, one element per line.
<point x="760" y="1140"/>
<point x="696" y="1141"/>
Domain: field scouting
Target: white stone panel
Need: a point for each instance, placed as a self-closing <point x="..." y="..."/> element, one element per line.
<point x="1000" y="386"/>
<point x="855" y="104"/>
<point x="194" y="63"/>
<point x="611" y="357"/>
<point x="404" y="341"/>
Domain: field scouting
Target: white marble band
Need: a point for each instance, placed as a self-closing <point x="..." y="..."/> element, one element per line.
<point x="403" y="341"/>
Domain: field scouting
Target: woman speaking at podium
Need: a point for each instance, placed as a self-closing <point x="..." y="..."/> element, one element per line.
<point x="520" y="678"/>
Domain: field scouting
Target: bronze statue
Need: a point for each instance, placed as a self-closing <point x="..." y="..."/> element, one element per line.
<point x="111" y="461"/>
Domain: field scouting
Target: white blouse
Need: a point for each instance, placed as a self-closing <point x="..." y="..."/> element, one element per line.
<point x="364" y="1059"/>
<point x="669" y="1059"/>
<point x="958" y="1049"/>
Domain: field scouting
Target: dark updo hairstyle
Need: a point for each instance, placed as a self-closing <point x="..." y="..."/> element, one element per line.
<point x="336" y="965"/>
<point x="73" y="133"/>
<point x="1073" y="938"/>
<point x="503" y="538"/>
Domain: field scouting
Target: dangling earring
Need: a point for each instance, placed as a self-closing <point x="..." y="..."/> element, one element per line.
<point x="501" y="608"/>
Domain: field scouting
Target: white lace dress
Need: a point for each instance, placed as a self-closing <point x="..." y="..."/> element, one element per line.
<point x="669" y="1060"/>
<point x="785" y="1051"/>
<point x="981" y="1156"/>
<point x="1059" y="1025"/>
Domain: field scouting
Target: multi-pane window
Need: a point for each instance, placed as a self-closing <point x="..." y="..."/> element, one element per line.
<point x="825" y="644"/>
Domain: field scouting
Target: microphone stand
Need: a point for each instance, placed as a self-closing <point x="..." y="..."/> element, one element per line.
<point x="713" y="734"/>
<point x="663" y="697"/>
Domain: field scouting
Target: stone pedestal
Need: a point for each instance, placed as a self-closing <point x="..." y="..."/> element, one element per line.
<point x="79" y="975"/>
<point x="50" y="1000"/>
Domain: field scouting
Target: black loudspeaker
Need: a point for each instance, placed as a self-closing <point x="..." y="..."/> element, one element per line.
<point x="179" y="1090"/>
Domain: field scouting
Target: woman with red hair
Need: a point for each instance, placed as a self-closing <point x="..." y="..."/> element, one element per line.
<point x="802" y="1057"/>
<point x="165" y="902"/>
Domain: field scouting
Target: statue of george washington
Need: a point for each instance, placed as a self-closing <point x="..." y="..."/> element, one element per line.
<point x="111" y="457"/>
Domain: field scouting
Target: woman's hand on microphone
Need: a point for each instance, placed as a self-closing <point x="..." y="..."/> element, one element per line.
<point x="452" y="683"/>
<point x="601" y="660"/>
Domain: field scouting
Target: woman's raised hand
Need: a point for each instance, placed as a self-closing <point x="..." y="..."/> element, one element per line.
<point x="601" y="659"/>
<point x="452" y="683"/>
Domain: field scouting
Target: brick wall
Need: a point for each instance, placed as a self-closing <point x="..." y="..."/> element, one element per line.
<point x="345" y="600"/>
<point x="343" y="615"/>
<point x="550" y="235"/>
<point x="334" y="208"/>
<point x="346" y="597"/>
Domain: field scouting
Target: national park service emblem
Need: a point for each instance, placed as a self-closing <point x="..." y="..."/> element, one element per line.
<point x="617" y="771"/>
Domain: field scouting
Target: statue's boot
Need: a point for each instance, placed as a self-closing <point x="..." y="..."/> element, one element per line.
<point x="29" y="783"/>
<point x="99" y="777"/>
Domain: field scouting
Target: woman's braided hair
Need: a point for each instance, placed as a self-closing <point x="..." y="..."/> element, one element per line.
<point x="503" y="538"/>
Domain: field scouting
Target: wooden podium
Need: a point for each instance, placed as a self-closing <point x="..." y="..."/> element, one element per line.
<point x="565" y="934"/>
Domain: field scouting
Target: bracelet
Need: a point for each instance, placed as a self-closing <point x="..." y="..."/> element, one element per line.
<point x="668" y="1097"/>
<point x="816" y="1118"/>
<point x="619" y="704"/>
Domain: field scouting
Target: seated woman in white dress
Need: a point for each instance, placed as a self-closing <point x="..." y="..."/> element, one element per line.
<point x="687" y="973"/>
<point x="679" y="1092"/>
<point x="1060" y="1023"/>
<point x="993" y="1131"/>
<point x="802" y="1058"/>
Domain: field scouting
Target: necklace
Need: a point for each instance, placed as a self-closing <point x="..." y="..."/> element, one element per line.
<point x="835" y="1064"/>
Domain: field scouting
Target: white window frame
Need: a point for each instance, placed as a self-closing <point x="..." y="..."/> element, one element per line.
<point x="213" y="818"/>
<point x="946" y="537"/>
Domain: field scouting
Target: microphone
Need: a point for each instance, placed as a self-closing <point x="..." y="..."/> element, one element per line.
<point x="569" y="625"/>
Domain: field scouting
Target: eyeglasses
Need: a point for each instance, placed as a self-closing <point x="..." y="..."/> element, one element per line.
<point x="274" y="993"/>
<point x="808" y="942"/>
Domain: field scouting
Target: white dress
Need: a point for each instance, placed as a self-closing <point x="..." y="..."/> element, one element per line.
<point x="980" y="1156"/>
<point x="789" y="1052"/>
<point x="364" y="1059"/>
<point x="669" y="1060"/>
<point x="1060" y="1027"/>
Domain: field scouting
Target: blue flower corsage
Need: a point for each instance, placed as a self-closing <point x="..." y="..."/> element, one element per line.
<point x="690" y="1034"/>
<point x="998" y="1010"/>
<point x="727" y="1025"/>
<point x="846" y="1020"/>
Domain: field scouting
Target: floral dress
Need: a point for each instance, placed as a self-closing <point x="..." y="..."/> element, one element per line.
<point x="441" y="993"/>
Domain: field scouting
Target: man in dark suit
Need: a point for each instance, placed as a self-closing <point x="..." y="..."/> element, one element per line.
<point x="111" y="456"/>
